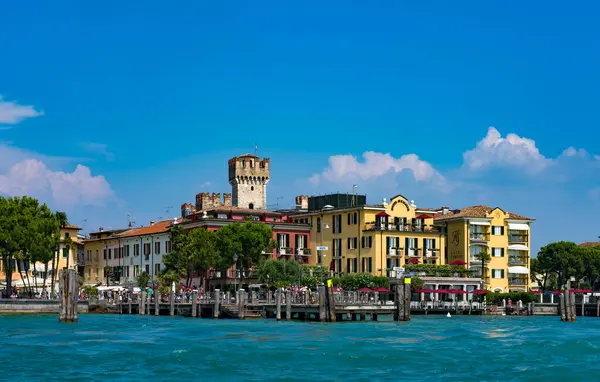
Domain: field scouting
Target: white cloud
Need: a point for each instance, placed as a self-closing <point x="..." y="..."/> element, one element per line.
<point x="98" y="148"/>
<point x="32" y="177"/>
<point x="12" y="113"/>
<point x="348" y="167"/>
<point x="573" y="152"/>
<point x="512" y="151"/>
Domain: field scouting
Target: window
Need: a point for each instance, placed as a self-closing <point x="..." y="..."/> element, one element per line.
<point x="337" y="223"/>
<point x="147" y="268"/>
<point x="348" y="269"/>
<point x="251" y="206"/>
<point x="498" y="252"/>
<point x="147" y="249"/>
<point x="497" y="230"/>
<point x="318" y="224"/>
<point x="104" y="256"/>
<point x="352" y="242"/>
<point x="127" y="271"/>
<point x="97" y="255"/>
<point x="168" y="246"/>
<point x="136" y="250"/>
<point x="497" y="273"/>
<point x="283" y="240"/>
<point x="136" y="270"/>
<point x="354" y="265"/>
<point x="367" y="241"/>
<point x="110" y="253"/>
<point x="369" y="264"/>
<point x="156" y="269"/>
<point x="352" y="218"/>
<point x="251" y="188"/>
<point x="337" y="248"/>
<point x="157" y="248"/>
<point x="126" y="250"/>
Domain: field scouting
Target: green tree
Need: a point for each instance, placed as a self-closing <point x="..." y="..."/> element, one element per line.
<point x="142" y="280"/>
<point x="563" y="259"/>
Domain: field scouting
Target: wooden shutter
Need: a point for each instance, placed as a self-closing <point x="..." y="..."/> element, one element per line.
<point x="433" y="244"/>
<point x="362" y="242"/>
<point x="502" y="230"/>
<point x="502" y="252"/>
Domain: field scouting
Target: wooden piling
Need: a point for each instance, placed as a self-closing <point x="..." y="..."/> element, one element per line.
<point x="288" y="305"/>
<point x="68" y="295"/>
<point x="562" y="307"/>
<point x="217" y="307"/>
<point x="143" y="303"/>
<point x="242" y="296"/>
<point x="330" y="305"/>
<point x="597" y="306"/>
<point x="129" y="298"/>
<point x="403" y="294"/>
<point x="195" y="303"/>
<point x="172" y="303"/>
<point x="149" y="298"/>
<point x="156" y="302"/>
<point x="407" y="294"/>
<point x="278" y="304"/>
<point x="573" y="307"/>
<point x="322" y="306"/>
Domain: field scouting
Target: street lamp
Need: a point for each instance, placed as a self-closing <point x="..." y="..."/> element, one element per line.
<point x="235" y="259"/>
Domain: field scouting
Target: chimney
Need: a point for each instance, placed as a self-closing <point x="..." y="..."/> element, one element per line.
<point x="445" y="210"/>
<point x="100" y="229"/>
<point x="151" y="222"/>
<point x="302" y="202"/>
<point x="227" y="200"/>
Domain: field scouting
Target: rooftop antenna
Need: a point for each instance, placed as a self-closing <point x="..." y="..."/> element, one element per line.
<point x="130" y="220"/>
<point x="168" y="211"/>
<point x="354" y="187"/>
<point x="278" y="198"/>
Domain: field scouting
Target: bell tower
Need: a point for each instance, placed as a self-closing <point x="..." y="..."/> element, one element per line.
<point x="248" y="176"/>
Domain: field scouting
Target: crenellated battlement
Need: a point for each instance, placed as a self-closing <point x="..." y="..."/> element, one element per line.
<point x="248" y="176"/>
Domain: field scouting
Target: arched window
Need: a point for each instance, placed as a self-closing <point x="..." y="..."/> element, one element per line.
<point x="251" y="206"/>
<point x="318" y="224"/>
<point x="251" y="188"/>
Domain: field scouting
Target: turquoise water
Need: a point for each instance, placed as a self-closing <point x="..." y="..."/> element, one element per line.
<point x="113" y="347"/>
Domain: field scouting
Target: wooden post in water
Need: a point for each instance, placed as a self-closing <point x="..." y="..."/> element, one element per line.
<point x="156" y="302"/>
<point x="399" y="295"/>
<point x="597" y="306"/>
<point x="129" y="301"/>
<point x="143" y="303"/>
<point x="278" y="304"/>
<point x="407" y="295"/>
<point x="68" y="295"/>
<point x="573" y="307"/>
<point x="148" y="303"/>
<point x="241" y="303"/>
<point x="331" y="316"/>
<point x="172" y="303"/>
<point x="288" y="305"/>
<point x="322" y="304"/>
<point x="216" y="309"/>
<point x="403" y="300"/>
<point x="562" y="307"/>
<point x="195" y="303"/>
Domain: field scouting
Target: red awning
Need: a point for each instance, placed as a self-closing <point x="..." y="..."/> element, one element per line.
<point x="412" y="261"/>
<point x="425" y="290"/>
<point x="557" y="291"/>
<point x="458" y="262"/>
<point x="442" y="291"/>
<point x="479" y="291"/>
<point x="382" y="213"/>
<point x="424" y="217"/>
<point x="365" y="290"/>
<point x="535" y="292"/>
<point x="383" y="290"/>
<point x="456" y="291"/>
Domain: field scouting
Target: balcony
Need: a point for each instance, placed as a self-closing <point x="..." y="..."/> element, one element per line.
<point x="284" y="251"/>
<point x="517" y="281"/>
<point x="517" y="237"/>
<point x="479" y="236"/>
<point x="393" y="252"/>
<point x="515" y="260"/>
<point x="400" y="228"/>
<point x="430" y="253"/>
<point x="303" y="252"/>
<point x="412" y="252"/>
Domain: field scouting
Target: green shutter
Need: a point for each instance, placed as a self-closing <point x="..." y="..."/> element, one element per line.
<point x="65" y="252"/>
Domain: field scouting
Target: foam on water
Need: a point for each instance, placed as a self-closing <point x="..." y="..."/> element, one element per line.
<point x="112" y="347"/>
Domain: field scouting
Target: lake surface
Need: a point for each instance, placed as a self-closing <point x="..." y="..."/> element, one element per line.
<point x="128" y="348"/>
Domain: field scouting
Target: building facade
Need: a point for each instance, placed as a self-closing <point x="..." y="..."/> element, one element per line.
<point x="101" y="250"/>
<point x="376" y="239"/>
<point x="502" y="235"/>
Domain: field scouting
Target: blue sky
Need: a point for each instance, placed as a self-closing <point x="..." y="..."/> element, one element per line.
<point x="151" y="99"/>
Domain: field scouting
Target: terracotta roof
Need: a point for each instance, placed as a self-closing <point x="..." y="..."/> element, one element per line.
<point x="71" y="226"/>
<point x="474" y="212"/>
<point x="160" y="227"/>
<point x="590" y="244"/>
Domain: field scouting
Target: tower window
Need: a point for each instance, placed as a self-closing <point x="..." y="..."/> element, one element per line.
<point x="251" y="205"/>
<point x="251" y="188"/>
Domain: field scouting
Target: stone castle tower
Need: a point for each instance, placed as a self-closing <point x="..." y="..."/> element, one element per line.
<point x="248" y="176"/>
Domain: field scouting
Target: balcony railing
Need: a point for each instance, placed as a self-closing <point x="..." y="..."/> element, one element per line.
<point x="303" y="251"/>
<point x="512" y="260"/>
<point x="400" y="228"/>
<point x="479" y="236"/>
<point x="518" y="238"/>
<point x="431" y="253"/>
<point x="517" y="281"/>
<point x="285" y="251"/>
<point x="412" y="252"/>
<point x="391" y="252"/>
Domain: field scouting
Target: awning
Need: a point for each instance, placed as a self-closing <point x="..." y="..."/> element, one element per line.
<point x="518" y="247"/>
<point x="518" y="226"/>
<point x="382" y="213"/>
<point x="424" y="217"/>
<point x="479" y="223"/>
<point x="519" y="270"/>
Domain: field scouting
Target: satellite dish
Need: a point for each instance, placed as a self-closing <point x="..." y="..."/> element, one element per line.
<point x="328" y="207"/>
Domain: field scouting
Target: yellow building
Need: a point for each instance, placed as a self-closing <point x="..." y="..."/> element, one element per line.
<point x="374" y="239"/>
<point x="504" y="236"/>
<point x="98" y="250"/>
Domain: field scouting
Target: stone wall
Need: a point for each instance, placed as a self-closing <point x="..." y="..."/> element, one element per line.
<point x="36" y="306"/>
